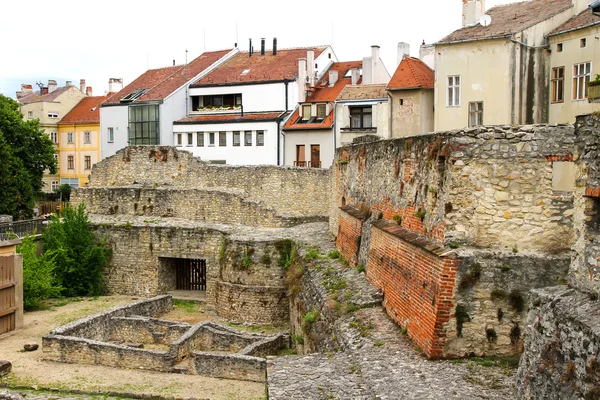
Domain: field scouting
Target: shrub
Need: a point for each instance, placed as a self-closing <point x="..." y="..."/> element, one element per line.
<point x="397" y="219"/>
<point x="469" y="279"/>
<point x="313" y="253"/>
<point x="39" y="282"/>
<point x="360" y="268"/>
<point x="79" y="256"/>
<point x="334" y="254"/>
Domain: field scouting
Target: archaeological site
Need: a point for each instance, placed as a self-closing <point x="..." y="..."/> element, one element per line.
<point x="384" y="272"/>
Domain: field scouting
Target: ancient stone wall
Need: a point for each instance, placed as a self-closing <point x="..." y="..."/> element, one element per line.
<point x="252" y="304"/>
<point x="293" y="191"/>
<point x="234" y="366"/>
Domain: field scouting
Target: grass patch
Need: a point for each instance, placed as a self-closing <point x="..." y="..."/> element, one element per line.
<point x="362" y="328"/>
<point x="312" y="253"/>
<point x="334" y="255"/>
<point x="185" y="305"/>
<point x="360" y="268"/>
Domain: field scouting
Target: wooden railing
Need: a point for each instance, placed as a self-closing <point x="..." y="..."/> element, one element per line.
<point x="20" y="229"/>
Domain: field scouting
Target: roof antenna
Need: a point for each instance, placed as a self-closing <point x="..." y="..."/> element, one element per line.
<point x="186" y="51"/>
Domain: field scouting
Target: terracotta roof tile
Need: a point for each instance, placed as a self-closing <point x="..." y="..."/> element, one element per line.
<point x="259" y="68"/>
<point x="87" y="111"/>
<point x="582" y="20"/>
<point x="509" y="19"/>
<point x="291" y="124"/>
<point x="359" y="92"/>
<point x="161" y="82"/>
<point x="412" y="73"/>
<point x="330" y="93"/>
<point x="35" y="96"/>
<point x="232" y="118"/>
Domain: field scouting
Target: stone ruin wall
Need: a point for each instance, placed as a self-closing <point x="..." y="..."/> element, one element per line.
<point x="287" y="190"/>
<point x="488" y="191"/>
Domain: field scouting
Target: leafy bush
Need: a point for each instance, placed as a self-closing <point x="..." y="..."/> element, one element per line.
<point x="38" y="274"/>
<point x="79" y="257"/>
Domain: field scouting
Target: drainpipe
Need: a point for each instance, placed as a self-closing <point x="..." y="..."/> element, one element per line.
<point x="286" y="95"/>
<point x="391" y="114"/>
<point x="334" y="126"/>
<point x="278" y="140"/>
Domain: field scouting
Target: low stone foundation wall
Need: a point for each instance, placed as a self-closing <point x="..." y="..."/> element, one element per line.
<point x="562" y="342"/>
<point x="252" y="304"/>
<point x="237" y="366"/>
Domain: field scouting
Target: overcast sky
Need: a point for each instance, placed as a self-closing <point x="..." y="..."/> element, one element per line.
<point x="70" y="40"/>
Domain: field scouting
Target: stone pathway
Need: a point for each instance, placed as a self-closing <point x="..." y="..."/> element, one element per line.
<point x="25" y="394"/>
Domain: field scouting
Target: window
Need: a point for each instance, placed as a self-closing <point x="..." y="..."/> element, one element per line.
<point x="453" y="91"/>
<point x="53" y="114"/>
<point x="248" y="138"/>
<point x="73" y="182"/>
<point x="143" y="125"/>
<point x="321" y="110"/>
<point x="306" y="112"/>
<point x="87" y="138"/>
<point x="54" y="137"/>
<point x="70" y="162"/>
<point x="88" y="162"/>
<point x="190" y="139"/>
<point x="559" y="47"/>
<point x="69" y="137"/>
<point x="30" y="116"/>
<point x="583" y="42"/>
<point x="361" y="117"/>
<point x="200" y="139"/>
<point x="222" y="139"/>
<point x="179" y="139"/>
<point x="54" y="186"/>
<point x="476" y="113"/>
<point x="401" y="102"/>
<point x="581" y="78"/>
<point x="133" y="95"/>
<point x="236" y="138"/>
<point x="111" y="135"/>
<point x="211" y="138"/>
<point x="218" y="100"/>
<point x="260" y="138"/>
<point x="558" y="84"/>
<point x="300" y="154"/>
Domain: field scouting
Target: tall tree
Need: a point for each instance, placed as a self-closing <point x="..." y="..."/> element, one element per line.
<point x="26" y="152"/>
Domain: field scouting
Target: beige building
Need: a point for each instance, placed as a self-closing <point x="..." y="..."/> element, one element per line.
<point x="49" y="104"/>
<point x="494" y="70"/>
<point x="574" y="61"/>
<point x="411" y="98"/>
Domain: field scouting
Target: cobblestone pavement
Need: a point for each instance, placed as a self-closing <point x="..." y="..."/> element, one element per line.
<point x="24" y="394"/>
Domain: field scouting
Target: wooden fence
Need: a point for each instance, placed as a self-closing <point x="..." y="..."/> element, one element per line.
<point x="8" y="294"/>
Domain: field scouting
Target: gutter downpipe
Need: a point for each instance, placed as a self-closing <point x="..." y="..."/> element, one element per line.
<point x="391" y="115"/>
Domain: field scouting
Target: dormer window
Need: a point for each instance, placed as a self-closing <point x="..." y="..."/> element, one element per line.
<point x="306" y="112"/>
<point x="321" y="112"/>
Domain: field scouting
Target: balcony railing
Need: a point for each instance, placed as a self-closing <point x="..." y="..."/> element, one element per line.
<point x="372" y="129"/>
<point x="20" y="229"/>
<point x="307" y="164"/>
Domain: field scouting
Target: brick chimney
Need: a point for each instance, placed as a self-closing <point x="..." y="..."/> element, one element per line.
<point x="82" y="85"/>
<point x="472" y="11"/>
<point x="52" y="85"/>
<point x="25" y="90"/>
<point x="88" y="91"/>
<point x="115" y="85"/>
<point x="69" y="83"/>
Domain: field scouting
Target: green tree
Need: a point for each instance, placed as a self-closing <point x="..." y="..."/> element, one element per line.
<point x="26" y="152"/>
<point x="80" y="258"/>
<point x="65" y="192"/>
<point x="39" y="282"/>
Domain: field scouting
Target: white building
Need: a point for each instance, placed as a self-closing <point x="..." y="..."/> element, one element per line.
<point x="238" y="110"/>
<point x="143" y="112"/>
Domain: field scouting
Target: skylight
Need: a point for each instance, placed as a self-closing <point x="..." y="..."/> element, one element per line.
<point x="133" y="95"/>
<point x="244" y="72"/>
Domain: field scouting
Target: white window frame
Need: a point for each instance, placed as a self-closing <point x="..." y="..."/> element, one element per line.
<point x="190" y="139"/>
<point x="30" y="116"/>
<point x="211" y="139"/>
<point x="222" y="135"/>
<point x="475" y="110"/>
<point x="54" y="186"/>
<point x="200" y="139"/>
<point x="111" y="135"/>
<point x="87" y="137"/>
<point x="70" y="137"/>
<point x="54" y="137"/>
<point x="52" y="114"/>
<point x="260" y="134"/>
<point x="580" y="74"/>
<point x="179" y="139"/>
<point x="453" y="91"/>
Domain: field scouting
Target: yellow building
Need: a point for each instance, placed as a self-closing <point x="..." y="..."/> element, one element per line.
<point x="49" y="104"/>
<point x="574" y="61"/>
<point x="79" y="141"/>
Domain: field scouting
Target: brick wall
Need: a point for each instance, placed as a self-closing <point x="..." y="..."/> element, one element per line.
<point x="417" y="286"/>
<point x="349" y="236"/>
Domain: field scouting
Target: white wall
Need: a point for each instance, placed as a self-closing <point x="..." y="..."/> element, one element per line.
<point x="267" y="97"/>
<point x="116" y="117"/>
<point x="380" y="115"/>
<point x="323" y="138"/>
<point x="242" y="155"/>
<point x="172" y="109"/>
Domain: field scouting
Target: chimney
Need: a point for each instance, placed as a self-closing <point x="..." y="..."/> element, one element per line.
<point x="82" y="85"/>
<point x="262" y="46"/>
<point x="355" y="74"/>
<point x="88" y="91"/>
<point x="69" y="83"/>
<point x="375" y="53"/>
<point x="427" y="55"/>
<point x="367" y="70"/>
<point x="301" y="80"/>
<point x="333" y="77"/>
<point x="403" y="50"/>
<point x="115" y="85"/>
<point x="472" y="11"/>
<point x="25" y="90"/>
<point x="173" y="62"/>
<point x="310" y="67"/>
<point x="51" y="85"/>
<point x="250" y="48"/>
<point x="274" y="46"/>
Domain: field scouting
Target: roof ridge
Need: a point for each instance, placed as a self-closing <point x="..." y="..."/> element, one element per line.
<point x="295" y="48"/>
<point x="412" y="70"/>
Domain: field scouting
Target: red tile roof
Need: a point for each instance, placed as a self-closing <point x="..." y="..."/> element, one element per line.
<point x="161" y="82"/>
<point x="330" y="93"/>
<point x="509" y="19"/>
<point x="412" y="73"/>
<point x="87" y="111"/>
<point x="291" y="124"/>
<point x="582" y="20"/>
<point x="231" y="118"/>
<point x="265" y="68"/>
<point x="35" y="96"/>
